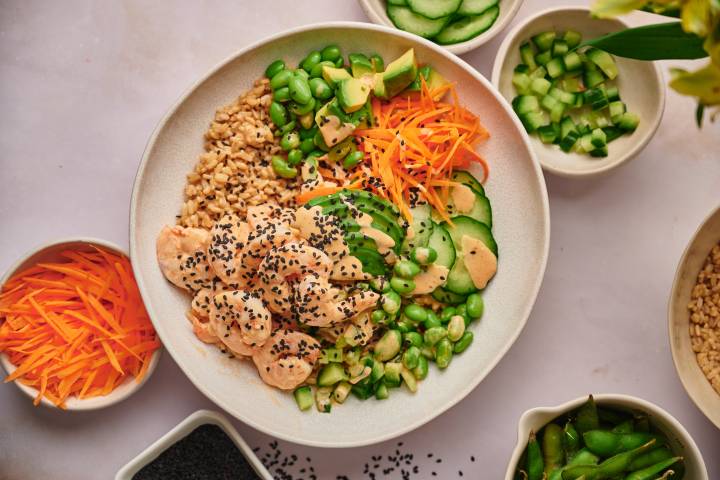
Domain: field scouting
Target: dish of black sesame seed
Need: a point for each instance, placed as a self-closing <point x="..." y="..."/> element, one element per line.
<point x="383" y="265"/>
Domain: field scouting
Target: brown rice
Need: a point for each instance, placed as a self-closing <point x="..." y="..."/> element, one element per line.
<point x="235" y="172"/>
<point x="705" y="318"/>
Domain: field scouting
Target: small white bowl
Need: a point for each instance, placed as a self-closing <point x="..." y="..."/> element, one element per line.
<point x="183" y="429"/>
<point x="692" y="378"/>
<point x="376" y="12"/>
<point x="680" y="440"/>
<point x="50" y="252"/>
<point x="641" y="87"/>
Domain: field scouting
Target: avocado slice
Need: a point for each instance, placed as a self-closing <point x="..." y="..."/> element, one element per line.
<point x="352" y="93"/>
<point x="416" y="84"/>
<point x="380" y="221"/>
<point x="357" y="240"/>
<point x="360" y="65"/>
<point x="400" y="73"/>
<point x="356" y="197"/>
<point x="333" y="75"/>
<point x="379" y="86"/>
<point x="334" y="124"/>
<point x="373" y="263"/>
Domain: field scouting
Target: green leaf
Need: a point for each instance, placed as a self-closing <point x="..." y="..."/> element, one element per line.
<point x="613" y="8"/>
<point x="703" y="83"/>
<point x="651" y="42"/>
<point x="699" y="114"/>
<point x="696" y="17"/>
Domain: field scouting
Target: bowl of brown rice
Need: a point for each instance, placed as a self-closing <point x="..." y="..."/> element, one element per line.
<point x="694" y="318"/>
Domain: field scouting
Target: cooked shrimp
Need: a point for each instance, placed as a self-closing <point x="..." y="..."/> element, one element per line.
<point x="287" y="359"/>
<point x="203" y="330"/>
<point x="239" y="317"/>
<point x="259" y="215"/>
<point x="259" y="242"/>
<point x="202" y="300"/>
<point x="320" y="305"/>
<point x="183" y="259"/>
<point x="227" y="237"/>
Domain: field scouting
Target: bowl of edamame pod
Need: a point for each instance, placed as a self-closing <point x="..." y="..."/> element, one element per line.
<point x="606" y="436"/>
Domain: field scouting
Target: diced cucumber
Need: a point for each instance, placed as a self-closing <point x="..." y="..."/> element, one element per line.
<point x="539" y="72"/>
<point x="613" y="94"/>
<point x="599" y="152"/>
<point x="525" y="104"/>
<point x="459" y="280"/>
<point x="556" y="128"/>
<point x="322" y="399"/>
<point x="467" y="178"/>
<point x="557" y="112"/>
<point x="434" y="9"/>
<point x="548" y="102"/>
<point x="381" y="391"/>
<point x="409" y="378"/>
<point x="583" y="127"/>
<point x="566" y="126"/>
<point x="329" y="355"/>
<point x="572" y="84"/>
<point x="392" y="374"/>
<point x="480" y="210"/>
<point x="527" y="55"/>
<point x="579" y="99"/>
<point x="565" y="97"/>
<point x="604" y="61"/>
<point x="568" y="141"/>
<point x="555" y="67"/>
<point x="521" y="82"/>
<point x="540" y="86"/>
<point x="378" y="371"/>
<point x="547" y="134"/>
<point x="585" y="143"/>
<point x="543" y="41"/>
<point x="475" y="7"/>
<point x="441" y="241"/>
<point x="598" y="138"/>
<point x="331" y="374"/>
<point x="628" y="122"/>
<point x="596" y="98"/>
<point x="543" y="58"/>
<point x="616" y="109"/>
<point x="612" y="133"/>
<point x="559" y="48"/>
<point x="572" y="61"/>
<point x="405" y="19"/>
<point x="341" y="392"/>
<point x="467" y="27"/>
<point x="532" y="120"/>
<point x="572" y="38"/>
<point x="592" y="78"/>
<point x="601" y="120"/>
<point x="521" y="68"/>
<point x="303" y="397"/>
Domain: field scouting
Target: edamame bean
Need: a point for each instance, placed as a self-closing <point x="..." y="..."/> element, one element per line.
<point x="443" y="352"/>
<point x="380" y="284"/>
<point x="307" y="146"/>
<point x="280" y="79"/>
<point x="415" y="312"/>
<point x="289" y="141"/>
<point x="462" y="311"/>
<point x="464" y="342"/>
<point x="274" y="68"/>
<point x="553" y="454"/>
<point x="401" y="285"/>
<point x="432" y="320"/>
<point x="411" y="357"/>
<point x="281" y="167"/>
<point x="390" y="302"/>
<point x="421" y="370"/>
<point x="300" y="109"/>
<point x="456" y="328"/>
<point x="423" y="255"/>
<point x="282" y="95"/>
<point x="311" y="60"/>
<point x="294" y="157"/>
<point x="308" y="132"/>
<point x="288" y="127"/>
<point x="405" y="325"/>
<point x="413" y="338"/>
<point x="446" y="314"/>
<point x="299" y="89"/>
<point x="353" y="159"/>
<point x="406" y="269"/>
<point x="534" y="462"/>
<point x="434" y="335"/>
<point x="317" y="70"/>
<point x="475" y="305"/>
<point x="377" y="316"/>
<point x="307" y="121"/>
<point x="331" y="53"/>
<point x="377" y="62"/>
<point x="278" y="114"/>
<point x="301" y="73"/>
<point x="320" y="89"/>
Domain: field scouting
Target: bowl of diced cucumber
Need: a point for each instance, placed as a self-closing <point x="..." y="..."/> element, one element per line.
<point x="457" y="25"/>
<point x="586" y="111"/>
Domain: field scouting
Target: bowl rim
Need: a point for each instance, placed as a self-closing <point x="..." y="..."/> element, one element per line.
<point x="603" y="398"/>
<point x="180" y="431"/>
<point x="78" y="404"/>
<point x="535" y="165"/>
<point x="659" y="78"/>
<point x="456" y="48"/>
<point x="671" y="318"/>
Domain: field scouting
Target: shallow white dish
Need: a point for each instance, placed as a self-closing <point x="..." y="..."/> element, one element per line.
<point x="692" y="378"/>
<point x="680" y="440"/>
<point x="376" y="12"/>
<point x="50" y="252"/>
<point x="641" y="88"/>
<point x="183" y="429"/>
<point x="516" y="188"/>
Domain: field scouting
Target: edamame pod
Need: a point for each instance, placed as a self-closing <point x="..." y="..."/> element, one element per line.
<point x="553" y="454"/>
<point x="464" y="342"/>
<point x="443" y="353"/>
<point x="609" y="468"/>
<point x="534" y="462"/>
<point x="571" y="440"/>
<point x="587" y="417"/>
<point x="624" y="427"/>
<point x="650" y="458"/>
<point x="652" y="472"/>
<point x="274" y="68"/>
<point x="606" y="444"/>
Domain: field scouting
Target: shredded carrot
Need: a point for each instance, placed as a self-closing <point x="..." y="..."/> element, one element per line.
<point x="77" y="328"/>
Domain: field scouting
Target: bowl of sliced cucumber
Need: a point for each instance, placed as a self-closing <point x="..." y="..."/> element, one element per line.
<point x="457" y="25"/>
<point x="586" y="111"/>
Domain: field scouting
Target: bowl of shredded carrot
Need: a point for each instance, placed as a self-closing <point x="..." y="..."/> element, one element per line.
<point x="74" y="333"/>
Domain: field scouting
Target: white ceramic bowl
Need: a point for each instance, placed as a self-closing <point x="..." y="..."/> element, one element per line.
<point x="641" y="88"/>
<point x="50" y="252"/>
<point x="680" y="440"/>
<point x="516" y="189"/>
<point x="376" y="12"/>
<point x="692" y="378"/>
<point x="183" y="429"/>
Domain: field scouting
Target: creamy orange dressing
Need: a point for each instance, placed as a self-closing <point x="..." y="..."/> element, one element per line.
<point x="334" y="131"/>
<point x="463" y="198"/>
<point x="479" y="260"/>
<point x="384" y="242"/>
<point x="433" y="277"/>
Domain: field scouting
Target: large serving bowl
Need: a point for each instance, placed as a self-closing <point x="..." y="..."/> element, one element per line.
<point x="521" y="227"/>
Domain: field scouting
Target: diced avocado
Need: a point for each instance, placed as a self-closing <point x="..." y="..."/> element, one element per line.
<point x="352" y="93"/>
<point x="360" y="65"/>
<point x="379" y="86"/>
<point x="333" y="123"/>
<point x="423" y="72"/>
<point x="435" y="80"/>
<point x="333" y="75"/>
<point x="400" y="73"/>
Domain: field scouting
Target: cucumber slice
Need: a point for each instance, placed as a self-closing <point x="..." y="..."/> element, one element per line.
<point x="475" y="7"/>
<point x="434" y="9"/>
<point x="555" y="67"/>
<point x="405" y="19"/>
<point x="447" y="297"/>
<point x="481" y="210"/>
<point x="422" y="227"/>
<point x="459" y="280"/>
<point x="331" y="374"/>
<point x="397" y="2"/>
<point x="467" y="178"/>
<point x="527" y="55"/>
<point x="441" y="241"/>
<point x="467" y="27"/>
